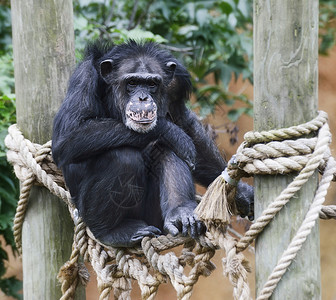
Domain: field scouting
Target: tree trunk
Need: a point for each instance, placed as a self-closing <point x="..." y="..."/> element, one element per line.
<point x="285" y="93"/>
<point x="43" y="43"/>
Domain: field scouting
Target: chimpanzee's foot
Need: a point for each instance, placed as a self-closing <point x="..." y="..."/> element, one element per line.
<point x="129" y="233"/>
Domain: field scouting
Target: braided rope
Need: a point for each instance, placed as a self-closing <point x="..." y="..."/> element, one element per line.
<point x="254" y="137"/>
<point x="71" y="273"/>
<point x="235" y="266"/>
<point x="268" y="214"/>
<point x="309" y="155"/>
<point x="328" y="212"/>
<point x="21" y="208"/>
<point x="115" y="268"/>
<point x="302" y="233"/>
<point x="20" y="154"/>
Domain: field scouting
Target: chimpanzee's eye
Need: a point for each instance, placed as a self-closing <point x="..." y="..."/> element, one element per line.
<point x="152" y="84"/>
<point x="132" y="83"/>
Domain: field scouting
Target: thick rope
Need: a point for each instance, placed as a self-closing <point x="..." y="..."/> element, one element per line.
<point x="309" y="155"/>
<point x="71" y="273"/>
<point x="305" y="229"/>
<point x="235" y="265"/>
<point x="20" y="154"/>
<point x="312" y="165"/>
<point x="115" y="268"/>
<point x="254" y="137"/>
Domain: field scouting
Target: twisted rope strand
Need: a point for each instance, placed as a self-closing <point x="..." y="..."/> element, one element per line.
<point x="301" y="235"/>
<point x="235" y="266"/>
<point x="17" y="143"/>
<point x="287" y="133"/>
<point x="268" y="214"/>
<point x="146" y="264"/>
<point x="284" y="148"/>
<point x="328" y="212"/>
<point x="21" y="208"/>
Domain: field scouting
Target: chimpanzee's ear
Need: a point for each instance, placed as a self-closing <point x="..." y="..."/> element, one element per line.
<point x="171" y="66"/>
<point x="106" y="67"/>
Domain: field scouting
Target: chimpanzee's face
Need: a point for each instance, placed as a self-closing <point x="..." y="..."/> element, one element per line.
<point x="141" y="109"/>
<point x="141" y="90"/>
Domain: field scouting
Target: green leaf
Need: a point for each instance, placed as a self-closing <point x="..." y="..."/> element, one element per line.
<point x="234" y="114"/>
<point x="190" y="8"/>
<point x="208" y="88"/>
<point x="232" y="20"/>
<point x="225" y="7"/>
<point x="202" y="16"/>
<point x="186" y="30"/>
<point x="8" y="182"/>
<point x="5" y="221"/>
<point x="11" y="287"/>
<point x="138" y="34"/>
<point x="206" y="110"/>
<point x="245" y="7"/>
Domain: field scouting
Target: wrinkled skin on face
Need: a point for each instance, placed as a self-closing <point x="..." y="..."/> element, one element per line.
<point x="144" y="82"/>
<point x="141" y="116"/>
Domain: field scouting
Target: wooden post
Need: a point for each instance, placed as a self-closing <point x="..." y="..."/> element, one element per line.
<point x="43" y="43"/>
<point x="285" y="93"/>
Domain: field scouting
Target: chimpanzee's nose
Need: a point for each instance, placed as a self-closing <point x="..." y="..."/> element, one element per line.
<point x="143" y="98"/>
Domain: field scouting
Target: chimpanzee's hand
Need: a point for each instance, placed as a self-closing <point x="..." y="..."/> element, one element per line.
<point x="183" y="220"/>
<point x="245" y="200"/>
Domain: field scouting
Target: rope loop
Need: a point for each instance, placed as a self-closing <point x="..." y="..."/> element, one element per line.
<point x="302" y="149"/>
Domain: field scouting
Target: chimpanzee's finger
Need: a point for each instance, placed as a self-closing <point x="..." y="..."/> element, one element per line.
<point x="193" y="227"/>
<point x="201" y="228"/>
<point x="171" y="228"/>
<point x="185" y="225"/>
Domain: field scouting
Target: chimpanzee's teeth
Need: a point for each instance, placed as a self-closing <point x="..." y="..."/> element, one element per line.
<point x="142" y="116"/>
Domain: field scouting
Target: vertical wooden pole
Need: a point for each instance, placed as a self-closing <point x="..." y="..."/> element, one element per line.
<point x="285" y="93"/>
<point x="43" y="43"/>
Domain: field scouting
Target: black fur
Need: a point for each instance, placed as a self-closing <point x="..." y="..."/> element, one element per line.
<point x="129" y="182"/>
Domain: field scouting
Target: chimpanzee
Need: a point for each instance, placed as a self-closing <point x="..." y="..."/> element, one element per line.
<point x="130" y="149"/>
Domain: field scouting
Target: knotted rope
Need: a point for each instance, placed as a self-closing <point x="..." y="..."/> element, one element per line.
<point x="114" y="267"/>
<point x="277" y="151"/>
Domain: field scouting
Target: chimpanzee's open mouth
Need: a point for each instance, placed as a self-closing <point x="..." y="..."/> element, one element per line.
<point x="142" y="117"/>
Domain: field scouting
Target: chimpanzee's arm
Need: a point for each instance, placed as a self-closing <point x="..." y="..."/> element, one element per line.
<point x="95" y="136"/>
<point x="209" y="162"/>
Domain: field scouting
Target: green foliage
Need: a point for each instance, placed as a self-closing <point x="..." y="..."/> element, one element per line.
<point x="217" y="94"/>
<point x="212" y="38"/>
<point x="9" y="194"/>
<point x="327" y="25"/>
<point x="7" y="75"/>
<point x="10" y="286"/>
<point x="5" y="28"/>
<point x="9" y="185"/>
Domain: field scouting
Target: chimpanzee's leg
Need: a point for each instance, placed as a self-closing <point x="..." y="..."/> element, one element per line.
<point x="111" y="196"/>
<point x="209" y="162"/>
<point x="177" y="195"/>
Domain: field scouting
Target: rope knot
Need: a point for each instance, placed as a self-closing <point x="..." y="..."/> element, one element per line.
<point x="115" y="268"/>
<point x="218" y="202"/>
<point x="282" y="151"/>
